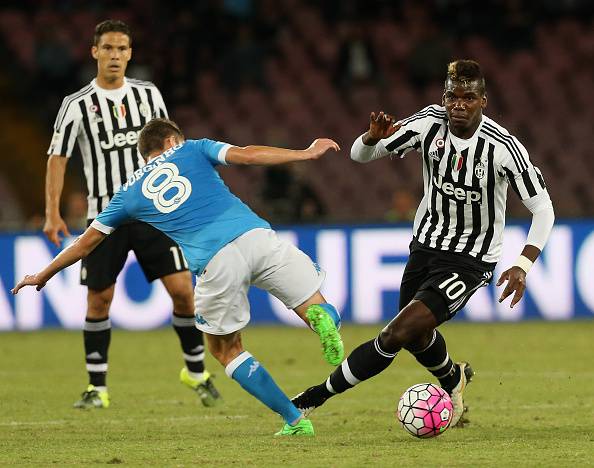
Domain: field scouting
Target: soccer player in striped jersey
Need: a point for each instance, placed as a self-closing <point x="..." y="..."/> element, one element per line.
<point x="104" y="118"/>
<point x="468" y="163"/>
<point x="227" y="245"/>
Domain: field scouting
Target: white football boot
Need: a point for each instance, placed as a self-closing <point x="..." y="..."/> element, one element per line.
<point x="457" y="393"/>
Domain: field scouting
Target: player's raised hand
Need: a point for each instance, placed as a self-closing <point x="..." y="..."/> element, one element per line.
<point x="29" y="280"/>
<point x="516" y="283"/>
<point x="321" y="146"/>
<point x="54" y="225"/>
<point x="382" y="126"/>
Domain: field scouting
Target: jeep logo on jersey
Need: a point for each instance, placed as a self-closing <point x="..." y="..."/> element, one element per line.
<point x="457" y="192"/>
<point x="119" y="139"/>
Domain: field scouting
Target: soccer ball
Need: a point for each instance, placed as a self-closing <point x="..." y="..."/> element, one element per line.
<point x="425" y="410"/>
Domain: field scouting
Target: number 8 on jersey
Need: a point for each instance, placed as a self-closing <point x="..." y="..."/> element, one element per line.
<point x="162" y="181"/>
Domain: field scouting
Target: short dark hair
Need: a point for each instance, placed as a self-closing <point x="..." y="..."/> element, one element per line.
<point x="154" y="132"/>
<point x="466" y="71"/>
<point x="108" y="26"/>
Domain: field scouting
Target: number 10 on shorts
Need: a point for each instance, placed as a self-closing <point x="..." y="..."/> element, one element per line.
<point x="453" y="289"/>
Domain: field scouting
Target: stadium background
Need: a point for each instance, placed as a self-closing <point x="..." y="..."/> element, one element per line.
<point x="285" y="72"/>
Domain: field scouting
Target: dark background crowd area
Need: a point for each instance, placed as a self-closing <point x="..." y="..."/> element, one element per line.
<point x="283" y="72"/>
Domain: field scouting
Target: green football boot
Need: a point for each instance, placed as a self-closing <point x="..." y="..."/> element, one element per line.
<point x="303" y="428"/>
<point x="326" y="328"/>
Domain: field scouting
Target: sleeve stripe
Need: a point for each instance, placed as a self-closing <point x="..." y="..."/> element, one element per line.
<point x="521" y="160"/>
<point x="540" y="178"/>
<point x="528" y="183"/>
<point x="429" y="112"/>
<point x="521" y="167"/>
<point x="102" y="227"/>
<point x="223" y="154"/>
<point x="67" y="102"/>
<point x="511" y="179"/>
<point x="428" y="109"/>
<point x="401" y="140"/>
<point x="63" y="151"/>
<point x="510" y="144"/>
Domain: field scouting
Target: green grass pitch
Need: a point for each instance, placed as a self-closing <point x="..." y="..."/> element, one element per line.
<point x="531" y="403"/>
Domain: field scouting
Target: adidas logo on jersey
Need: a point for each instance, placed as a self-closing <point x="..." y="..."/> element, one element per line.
<point x="119" y="139"/>
<point x="458" y="192"/>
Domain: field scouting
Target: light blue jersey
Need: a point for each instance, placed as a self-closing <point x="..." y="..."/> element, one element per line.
<point x="181" y="194"/>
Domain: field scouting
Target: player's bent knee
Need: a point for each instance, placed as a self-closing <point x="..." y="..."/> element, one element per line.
<point x="183" y="307"/>
<point x="394" y="337"/>
<point x="183" y="301"/>
<point x="408" y="328"/>
<point x="420" y="342"/>
<point x="98" y="303"/>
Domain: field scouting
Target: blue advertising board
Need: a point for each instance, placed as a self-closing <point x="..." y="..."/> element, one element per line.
<point x="364" y="266"/>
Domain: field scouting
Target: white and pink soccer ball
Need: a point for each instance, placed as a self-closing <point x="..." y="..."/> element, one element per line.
<point x="425" y="410"/>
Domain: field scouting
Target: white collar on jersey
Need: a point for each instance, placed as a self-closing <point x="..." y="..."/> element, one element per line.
<point x="113" y="94"/>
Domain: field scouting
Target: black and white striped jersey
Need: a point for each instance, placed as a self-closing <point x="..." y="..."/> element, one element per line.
<point x="105" y="124"/>
<point x="465" y="181"/>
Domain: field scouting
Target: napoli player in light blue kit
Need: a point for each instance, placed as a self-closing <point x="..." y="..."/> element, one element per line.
<point x="227" y="246"/>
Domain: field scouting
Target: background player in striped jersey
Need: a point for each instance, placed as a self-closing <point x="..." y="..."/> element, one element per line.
<point x="468" y="163"/>
<point x="227" y="245"/>
<point x="105" y="118"/>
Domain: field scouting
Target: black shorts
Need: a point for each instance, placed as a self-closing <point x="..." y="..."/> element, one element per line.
<point x="443" y="281"/>
<point x="157" y="255"/>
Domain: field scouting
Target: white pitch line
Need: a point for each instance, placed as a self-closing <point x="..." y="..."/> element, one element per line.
<point x="577" y="406"/>
<point x="564" y="374"/>
<point x="57" y="422"/>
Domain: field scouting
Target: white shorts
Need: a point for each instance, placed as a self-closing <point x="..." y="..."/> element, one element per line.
<point x="257" y="258"/>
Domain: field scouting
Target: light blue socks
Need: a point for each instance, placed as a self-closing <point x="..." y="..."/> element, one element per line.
<point x="256" y="380"/>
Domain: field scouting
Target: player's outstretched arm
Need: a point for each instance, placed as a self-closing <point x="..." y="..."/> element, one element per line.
<point x="54" y="182"/>
<point x="270" y="155"/>
<point x="80" y="248"/>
